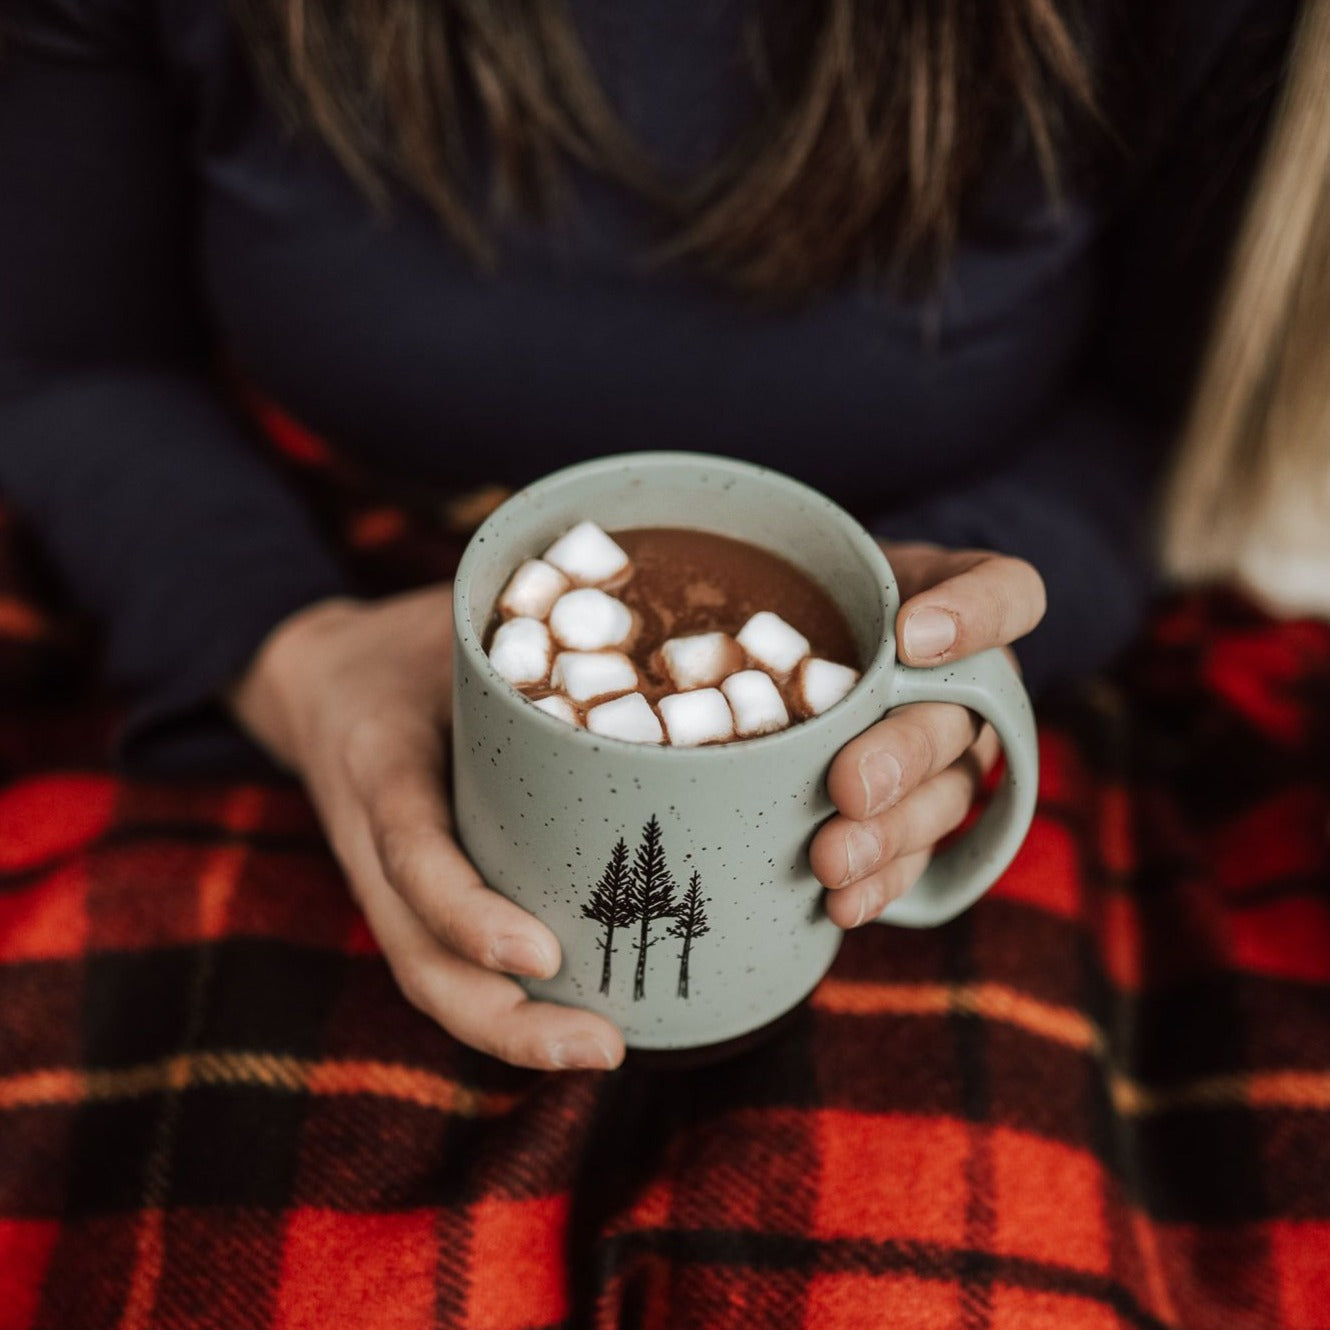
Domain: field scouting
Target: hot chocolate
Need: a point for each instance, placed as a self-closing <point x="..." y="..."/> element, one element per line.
<point x="670" y="635"/>
<point x="690" y="582"/>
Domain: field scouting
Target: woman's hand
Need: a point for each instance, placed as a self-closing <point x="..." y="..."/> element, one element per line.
<point x="355" y="698"/>
<point x="903" y="784"/>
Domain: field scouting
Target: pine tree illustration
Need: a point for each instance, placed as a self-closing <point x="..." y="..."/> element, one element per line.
<point x="651" y="894"/>
<point x="690" y="921"/>
<point x="609" y="905"/>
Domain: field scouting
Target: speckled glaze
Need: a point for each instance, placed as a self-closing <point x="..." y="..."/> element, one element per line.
<point x="541" y="806"/>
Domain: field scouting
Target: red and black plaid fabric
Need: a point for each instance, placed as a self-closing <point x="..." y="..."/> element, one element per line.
<point x="1100" y="1099"/>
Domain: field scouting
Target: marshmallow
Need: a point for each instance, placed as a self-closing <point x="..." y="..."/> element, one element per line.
<point x="628" y="718"/>
<point x="521" y="651"/>
<point x="587" y="675"/>
<point x="532" y="590"/>
<point x="587" y="555"/>
<point x="756" y="703"/>
<point x="701" y="716"/>
<point x="560" y="708"/>
<point x="589" y="620"/>
<point x="772" y="643"/>
<point x="820" y="684"/>
<point x="700" y="661"/>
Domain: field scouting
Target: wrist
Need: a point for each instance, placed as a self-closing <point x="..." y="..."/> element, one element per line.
<point x="264" y="699"/>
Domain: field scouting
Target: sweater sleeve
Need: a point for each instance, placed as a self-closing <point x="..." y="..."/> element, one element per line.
<point x="147" y="492"/>
<point x="1075" y="505"/>
<point x="1078" y="500"/>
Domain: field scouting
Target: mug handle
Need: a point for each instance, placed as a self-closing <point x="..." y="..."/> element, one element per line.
<point x="988" y="685"/>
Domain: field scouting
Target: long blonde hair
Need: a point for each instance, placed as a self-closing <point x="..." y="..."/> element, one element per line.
<point x="1249" y="496"/>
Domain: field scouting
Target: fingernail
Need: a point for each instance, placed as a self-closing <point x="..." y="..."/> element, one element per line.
<point x="520" y="955"/>
<point x="881" y="775"/>
<point x="862" y="849"/>
<point x="870" y="905"/>
<point x="929" y="633"/>
<point x="582" y="1051"/>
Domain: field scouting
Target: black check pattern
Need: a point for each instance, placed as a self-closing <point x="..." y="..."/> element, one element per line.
<point x="1100" y="1099"/>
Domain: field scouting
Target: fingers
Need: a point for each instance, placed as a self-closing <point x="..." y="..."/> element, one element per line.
<point x="443" y="932"/>
<point x="910" y="780"/>
<point x="424" y="865"/>
<point x="399" y="785"/>
<point x="868" y="862"/>
<point x="959" y="602"/>
<point x="865" y="900"/>
<point x="367" y="704"/>
<point x="879" y="767"/>
<point x="478" y="1007"/>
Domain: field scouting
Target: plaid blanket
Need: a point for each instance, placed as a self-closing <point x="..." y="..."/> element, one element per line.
<point x="1100" y="1099"/>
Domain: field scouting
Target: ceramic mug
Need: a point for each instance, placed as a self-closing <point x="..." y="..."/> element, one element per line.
<point x="677" y="879"/>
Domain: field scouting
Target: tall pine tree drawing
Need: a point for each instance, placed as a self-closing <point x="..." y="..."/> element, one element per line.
<point x="651" y="894"/>
<point x="609" y="905"/>
<point x="690" y="922"/>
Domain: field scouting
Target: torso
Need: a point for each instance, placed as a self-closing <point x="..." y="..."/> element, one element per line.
<point x="380" y="334"/>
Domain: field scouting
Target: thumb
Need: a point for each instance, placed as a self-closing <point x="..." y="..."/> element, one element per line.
<point x="961" y="602"/>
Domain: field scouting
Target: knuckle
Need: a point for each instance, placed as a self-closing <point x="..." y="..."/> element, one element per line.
<point x="995" y="616"/>
<point x="969" y="727"/>
<point x="903" y="874"/>
<point x="395" y="747"/>
<point x="845" y="783"/>
<point x="450" y="916"/>
<point x="1022" y="587"/>
<point x="983" y="751"/>
<point x="510" y="1043"/>
<point x="923" y="820"/>
<point x="399" y="852"/>
<point x="1014" y="568"/>
<point x="356" y="885"/>
<point x="920" y="748"/>
<point x="346" y="849"/>
<point x="461" y="929"/>
<point x="367" y="751"/>
<point x="500" y="1026"/>
<point x="366" y="739"/>
<point x="412" y="978"/>
<point x="953" y="807"/>
<point x="891" y="833"/>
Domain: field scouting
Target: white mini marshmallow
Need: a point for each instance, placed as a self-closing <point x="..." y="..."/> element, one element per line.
<point x="560" y="708"/>
<point x="532" y="590"/>
<point x="589" y="620"/>
<point x="587" y="555"/>
<point x="521" y="651"/>
<point x="587" y="675"/>
<point x="820" y="684"/>
<point x="701" y="716"/>
<point x="702" y="660"/>
<point x="772" y="643"/>
<point x="628" y="718"/>
<point x="756" y="703"/>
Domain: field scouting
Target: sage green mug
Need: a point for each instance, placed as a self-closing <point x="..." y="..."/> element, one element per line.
<point x="677" y="879"/>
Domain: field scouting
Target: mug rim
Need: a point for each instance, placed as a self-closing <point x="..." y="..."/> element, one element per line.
<point x="469" y="639"/>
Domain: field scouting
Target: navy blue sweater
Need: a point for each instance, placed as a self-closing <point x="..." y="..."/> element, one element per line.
<point x="154" y="212"/>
